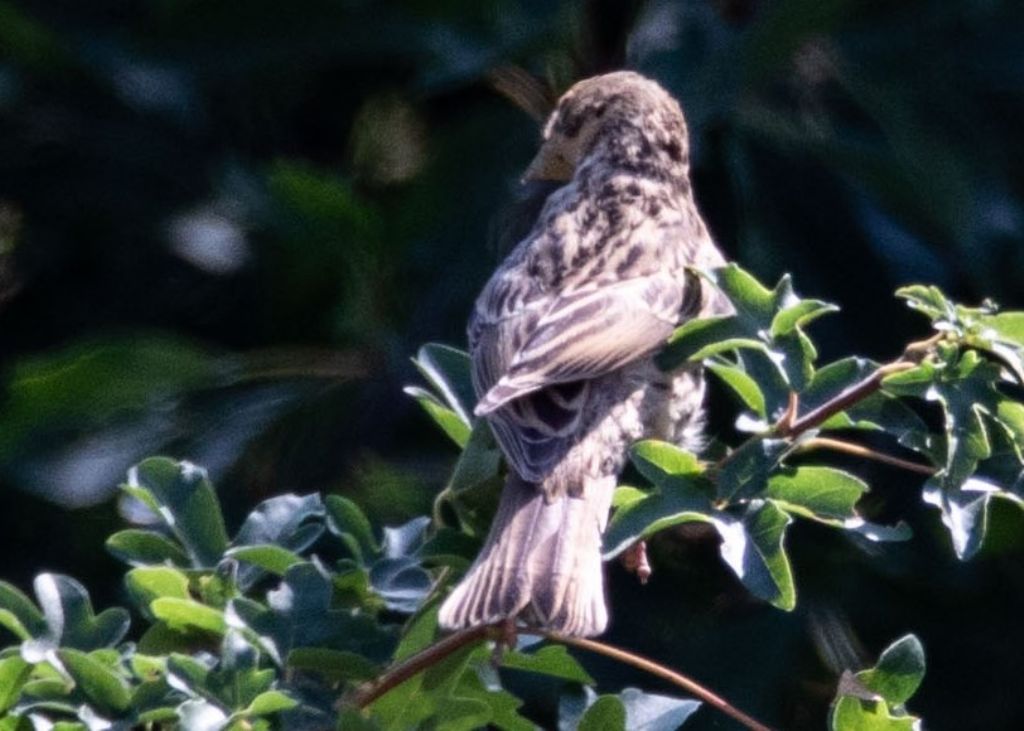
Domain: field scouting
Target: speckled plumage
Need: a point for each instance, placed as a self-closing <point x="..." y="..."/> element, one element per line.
<point x="562" y="339"/>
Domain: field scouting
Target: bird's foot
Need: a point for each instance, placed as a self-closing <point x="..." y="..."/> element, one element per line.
<point x="506" y="640"/>
<point x="634" y="559"/>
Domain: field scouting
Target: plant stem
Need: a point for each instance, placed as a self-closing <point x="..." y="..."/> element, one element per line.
<point x="649" y="666"/>
<point x="860" y="450"/>
<point x="414" y="664"/>
<point x="857" y="392"/>
<point x="430" y="656"/>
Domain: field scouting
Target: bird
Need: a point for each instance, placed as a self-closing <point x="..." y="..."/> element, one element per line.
<point x="562" y="341"/>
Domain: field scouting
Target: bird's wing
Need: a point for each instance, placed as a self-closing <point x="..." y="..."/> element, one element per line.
<point x="580" y="336"/>
<point x="533" y="366"/>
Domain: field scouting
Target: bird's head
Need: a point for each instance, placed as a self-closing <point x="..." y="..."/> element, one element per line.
<point x="606" y="107"/>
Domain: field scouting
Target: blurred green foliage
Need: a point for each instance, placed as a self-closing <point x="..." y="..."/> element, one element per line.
<point x="224" y="229"/>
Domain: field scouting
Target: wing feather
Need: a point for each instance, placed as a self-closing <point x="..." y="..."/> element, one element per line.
<point x="582" y="336"/>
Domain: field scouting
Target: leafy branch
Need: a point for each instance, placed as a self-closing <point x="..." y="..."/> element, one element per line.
<point x="305" y="602"/>
<point x="435" y="653"/>
<point x="791" y="409"/>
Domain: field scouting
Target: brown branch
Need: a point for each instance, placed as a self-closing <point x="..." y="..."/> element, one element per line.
<point x="649" y="666"/>
<point x="430" y="656"/>
<point x="857" y="392"/>
<point x="859" y="450"/>
<point x="912" y="355"/>
<point x="414" y="664"/>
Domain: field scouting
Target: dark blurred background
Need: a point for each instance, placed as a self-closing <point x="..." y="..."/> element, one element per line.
<point x="226" y="227"/>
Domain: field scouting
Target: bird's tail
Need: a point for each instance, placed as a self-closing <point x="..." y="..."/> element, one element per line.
<point x="541" y="560"/>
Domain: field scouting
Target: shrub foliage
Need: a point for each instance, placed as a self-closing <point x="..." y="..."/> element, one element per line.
<point x="311" y="617"/>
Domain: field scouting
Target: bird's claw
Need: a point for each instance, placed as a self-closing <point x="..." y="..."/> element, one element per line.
<point x="506" y="640"/>
<point x="635" y="561"/>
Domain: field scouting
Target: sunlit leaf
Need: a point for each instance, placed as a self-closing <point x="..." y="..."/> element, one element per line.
<point x="822" y="493"/>
<point x="69" y="615"/>
<point x="346" y="520"/>
<point x="143" y="547"/>
<point x="899" y="671"/>
<point x="188" y="504"/>
<point x="650" y="712"/>
<point x="553" y="660"/>
<point x="97" y="681"/>
<point x="607" y="713"/>
<point x="752" y="546"/>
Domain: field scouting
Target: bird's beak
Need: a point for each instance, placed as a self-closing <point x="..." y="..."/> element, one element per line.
<point x="548" y="165"/>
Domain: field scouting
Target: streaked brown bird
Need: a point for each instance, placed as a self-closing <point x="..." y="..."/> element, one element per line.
<point x="562" y="340"/>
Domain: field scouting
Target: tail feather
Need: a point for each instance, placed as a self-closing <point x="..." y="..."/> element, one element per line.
<point x="541" y="560"/>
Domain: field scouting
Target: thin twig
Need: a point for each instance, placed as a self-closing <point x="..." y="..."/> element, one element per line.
<point x="859" y="450"/>
<point x="658" y="670"/>
<point x="430" y="656"/>
<point x="426" y="658"/>
<point x="857" y="392"/>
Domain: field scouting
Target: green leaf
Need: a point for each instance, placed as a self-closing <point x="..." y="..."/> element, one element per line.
<point x="19" y="614"/>
<point x="664" y="464"/>
<point x="14" y="673"/>
<point x="267" y="556"/>
<point x="292" y="522"/>
<point x="650" y="712"/>
<point x="1008" y="326"/>
<point x="703" y="338"/>
<point x="687" y="500"/>
<point x="299" y="613"/>
<point x="479" y="461"/>
<point x="144" y="547"/>
<point x="974" y="410"/>
<point x="502" y="705"/>
<point x="201" y="715"/>
<point x="929" y="301"/>
<point x="447" y="370"/>
<point x="333" y="664"/>
<point x="744" y="473"/>
<point x="461" y="714"/>
<point x="753" y="301"/>
<point x="742" y="384"/>
<point x="820" y="493"/>
<point x="69" y="616"/>
<point x="853" y="714"/>
<point x="626" y="495"/>
<point x="873" y="699"/>
<point x="795" y="354"/>
<point x="450" y="422"/>
<point x="552" y="660"/>
<point x="346" y="520"/>
<point x="965" y="511"/>
<point x="351" y="719"/>
<point x="148" y="667"/>
<point x="472" y="492"/>
<point x="151" y="582"/>
<point x="803" y="312"/>
<point x="899" y="671"/>
<point x="186" y="614"/>
<point x="411" y="703"/>
<point x="765" y="321"/>
<point x="752" y="546"/>
<point x="966" y="390"/>
<point x="188" y="505"/>
<point x="449" y="547"/>
<point x="401" y="582"/>
<point x="96" y="680"/>
<point x="878" y="412"/>
<point x="607" y="713"/>
<point x="269" y="702"/>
